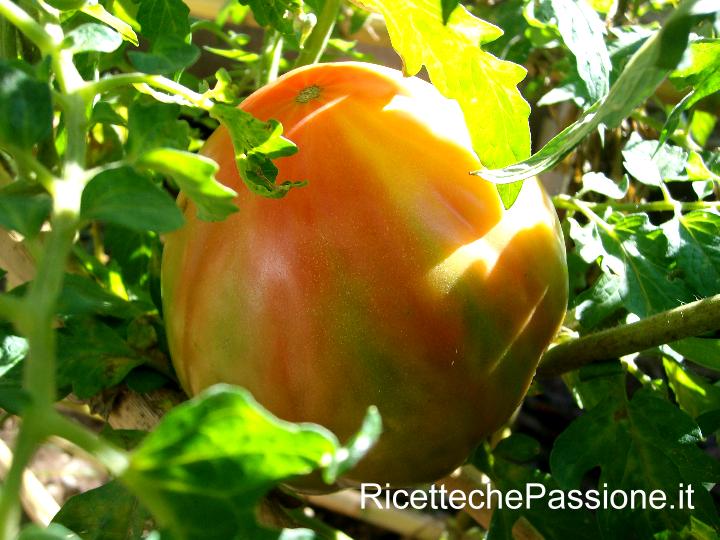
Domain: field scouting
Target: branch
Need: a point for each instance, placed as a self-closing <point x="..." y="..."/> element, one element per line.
<point x="682" y="322"/>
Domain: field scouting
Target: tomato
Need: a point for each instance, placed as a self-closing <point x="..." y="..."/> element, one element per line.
<point x="394" y="278"/>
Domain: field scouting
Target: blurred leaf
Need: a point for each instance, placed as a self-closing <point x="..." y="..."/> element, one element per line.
<point x="703" y="351"/>
<point x="94" y="37"/>
<point x="651" y="163"/>
<point x="92" y="356"/>
<point x="646" y="444"/>
<point x="98" y="12"/>
<point x="583" y="31"/>
<point x="357" y="447"/>
<point x="498" y="122"/>
<point x="256" y="144"/>
<point x="168" y="55"/>
<point x="702" y="72"/>
<point x="163" y="18"/>
<point x="275" y="14"/>
<point x="702" y="126"/>
<point x="52" y="532"/>
<point x="24" y="208"/>
<point x="642" y="74"/>
<point x="81" y="296"/>
<point x="126" y="439"/>
<point x="518" y="448"/>
<point x="239" y="55"/>
<point x="181" y="470"/>
<point x="109" y="512"/>
<point x="103" y="113"/>
<point x="694" y="393"/>
<point x="195" y="175"/>
<point x="25" y="107"/>
<point x="152" y="125"/>
<point x="126" y="198"/>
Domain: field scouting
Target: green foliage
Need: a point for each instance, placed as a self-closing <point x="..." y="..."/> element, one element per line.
<point x="97" y="136"/>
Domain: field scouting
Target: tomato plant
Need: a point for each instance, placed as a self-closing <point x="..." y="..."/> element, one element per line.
<point x="326" y="258"/>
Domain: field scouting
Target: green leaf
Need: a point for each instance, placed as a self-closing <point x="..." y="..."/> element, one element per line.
<point x="647" y="444"/>
<point x="52" y="532"/>
<point x="694" y="393"/>
<point x="25" y="107"/>
<point x="92" y="356"/>
<point x="13" y="349"/>
<point x="256" y="144"/>
<point x="152" y="125"/>
<point x="93" y="37"/>
<point x="195" y="175"/>
<point x="213" y="458"/>
<point x="81" y="296"/>
<point x="637" y="271"/>
<point x="509" y="193"/>
<point x="484" y="86"/>
<point x="548" y="522"/>
<point x="109" y="512"/>
<point x="97" y="11"/>
<point x="276" y="14"/>
<point x="103" y="113"/>
<point x="694" y="241"/>
<point x="448" y="6"/>
<point x="168" y="55"/>
<point x="703" y="351"/>
<point x="162" y="18"/>
<point x="599" y="183"/>
<point x="124" y="197"/>
<point x="643" y="73"/>
<point x="583" y="31"/>
<point x="518" y="447"/>
<point x="24" y="208"/>
<point x="651" y="163"/>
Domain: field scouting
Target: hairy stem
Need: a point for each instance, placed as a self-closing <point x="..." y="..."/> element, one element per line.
<point x="570" y="203"/>
<point x="316" y="43"/>
<point x="682" y="322"/>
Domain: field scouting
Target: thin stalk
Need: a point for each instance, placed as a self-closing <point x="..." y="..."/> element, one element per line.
<point x="273" y="55"/>
<point x="113" y="458"/>
<point x="689" y="320"/>
<point x="317" y="41"/>
<point x="569" y="203"/>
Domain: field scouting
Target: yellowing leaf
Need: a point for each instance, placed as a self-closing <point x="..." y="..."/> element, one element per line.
<point x="485" y="87"/>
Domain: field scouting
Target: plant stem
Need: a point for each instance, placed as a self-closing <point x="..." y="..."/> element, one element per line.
<point x="27" y="25"/>
<point x="91" y="89"/>
<point x="29" y="437"/>
<point x="111" y="457"/>
<point x="8" y="40"/>
<point x="685" y="321"/>
<point x="315" y="44"/>
<point x="272" y="57"/>
<point x="569" y="203"/>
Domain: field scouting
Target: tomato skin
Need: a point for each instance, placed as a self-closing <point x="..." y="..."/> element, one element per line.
<point x="394" y="278"/>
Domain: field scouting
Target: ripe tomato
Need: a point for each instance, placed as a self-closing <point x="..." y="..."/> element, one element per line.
<point x="394" y="278"/>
